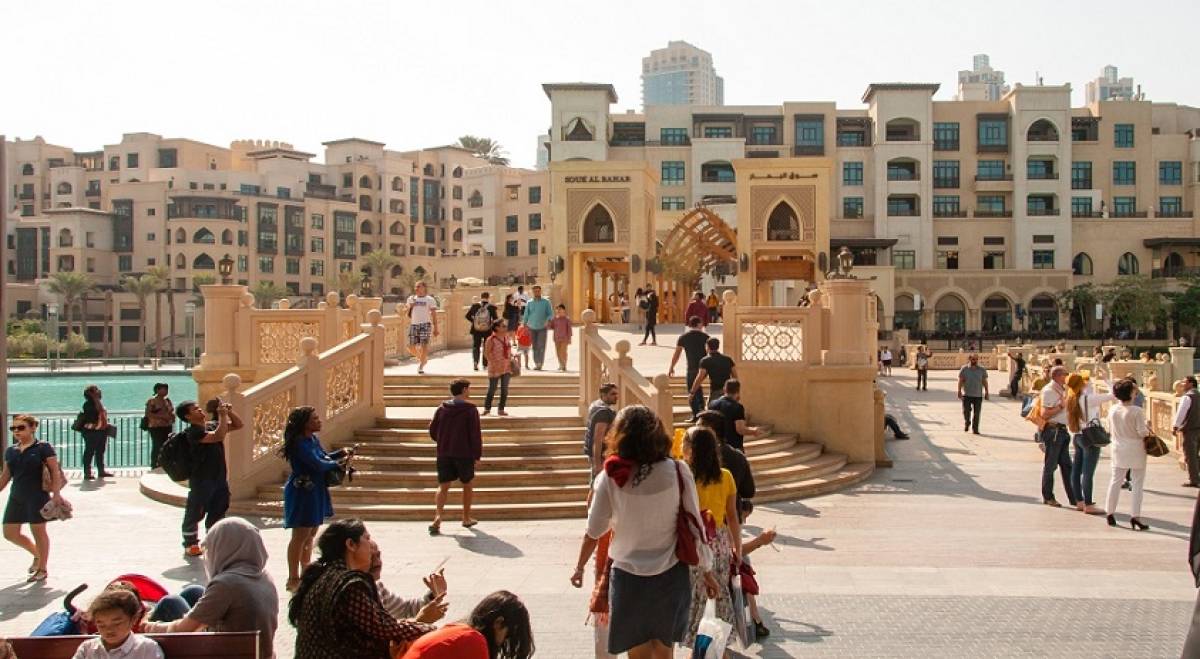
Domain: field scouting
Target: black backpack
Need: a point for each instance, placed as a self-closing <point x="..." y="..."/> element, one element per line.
<point x="176" y="456"/>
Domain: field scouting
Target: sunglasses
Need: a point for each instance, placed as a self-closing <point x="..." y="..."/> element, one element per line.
<point x="17" y="428"/>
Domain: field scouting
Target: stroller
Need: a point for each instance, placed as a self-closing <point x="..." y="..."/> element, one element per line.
<point x="70" y="620"/>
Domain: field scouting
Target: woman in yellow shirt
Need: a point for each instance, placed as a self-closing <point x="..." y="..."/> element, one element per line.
<point x="717" y="493"/>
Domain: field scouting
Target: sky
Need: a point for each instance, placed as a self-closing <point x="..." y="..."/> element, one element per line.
<point x="420" y="74"/>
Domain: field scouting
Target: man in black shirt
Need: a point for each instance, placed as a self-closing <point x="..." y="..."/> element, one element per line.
<point x="731" y="408"/>
<point x="208" y="493"/>
<point x="481" y="315"/>
<point x="716" y="367"/>
<point x="692" y="343"/>
<point x="1018" y="369"/>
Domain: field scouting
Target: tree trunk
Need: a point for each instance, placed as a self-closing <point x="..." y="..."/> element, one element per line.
<point x="158" y="324"/>
<point x="83" y="327"/>
<point x="142" y="331"/>
<point x="171" y="316"/>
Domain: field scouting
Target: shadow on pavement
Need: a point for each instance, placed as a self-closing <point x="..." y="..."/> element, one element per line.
<point x="480" y="542"/>
<point x="21" y="597"/>
<point x="190" y="572"/>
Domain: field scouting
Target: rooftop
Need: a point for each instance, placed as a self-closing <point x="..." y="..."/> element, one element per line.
<point x="931" y="87"/>
<point x="582" y="87"/>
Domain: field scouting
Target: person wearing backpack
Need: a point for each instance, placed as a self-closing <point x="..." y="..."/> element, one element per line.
<point x="208" y="478"/>
<point x="481" y="315"/>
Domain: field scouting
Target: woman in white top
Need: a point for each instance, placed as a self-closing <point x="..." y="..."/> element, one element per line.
<point x="637" y="495"/>
<point x="1083" y="408"/>
<point x="1128" y="425"/>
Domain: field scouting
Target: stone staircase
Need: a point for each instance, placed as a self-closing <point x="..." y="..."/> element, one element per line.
<point x="533" y="465"/>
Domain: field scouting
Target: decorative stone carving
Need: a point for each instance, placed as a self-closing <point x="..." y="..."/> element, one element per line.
<point x="343" y="386"/>
<point x="581" y="200"/>
<point x="270" y="418"/>
<point x="279" y="341"/>
<point x="773" y="341"/>
<point x="803" y="199"/>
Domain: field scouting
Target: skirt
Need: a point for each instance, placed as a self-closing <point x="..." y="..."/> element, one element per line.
<point x="26" y="507"/>
<point x="722" y="558"/>
<point x="644" y="609"/>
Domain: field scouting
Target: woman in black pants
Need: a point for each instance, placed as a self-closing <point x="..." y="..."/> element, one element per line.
<point x="94" y="428"/>
<point x="651" y="318"/>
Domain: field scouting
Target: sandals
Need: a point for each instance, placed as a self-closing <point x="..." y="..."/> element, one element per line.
<point x="469" y="523"/>
<point x="38" y="575"/>
<point x="435" y="528"/>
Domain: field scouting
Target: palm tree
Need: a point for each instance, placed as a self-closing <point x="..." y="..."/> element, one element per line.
<point x="380" y="263"/>
<point x="265" y="292"/>
<point x="197" y="282"/>
<point x="344" y="282"/>
<point x="142" y="287"/>
<point x="163" y="275"/>
<point x="70" y="287"/>
<point x="485" y="148"/>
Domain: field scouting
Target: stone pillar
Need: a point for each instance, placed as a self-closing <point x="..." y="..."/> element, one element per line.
<point x="222" y="305"/>
<point x="847" y="301"/>
<point x="456" y="331"/>
<point x="1182" y="362"/>
<point x="729" y="325"/>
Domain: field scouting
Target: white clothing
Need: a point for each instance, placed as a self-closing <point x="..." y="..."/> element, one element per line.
<point x="1127" y="425"/>
<point x="1054" y="395"/>
<point x="1185" y="404"/>
<point x="887" y="355"/>
<point x="1091" y="402"/>
<point x="1137" y="480"/>
<point x="135" y="646"/>
<point x="642" y="518"/>
<point x="422" y="309"/>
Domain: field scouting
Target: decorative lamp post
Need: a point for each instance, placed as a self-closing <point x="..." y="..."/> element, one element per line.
<point x="189" y="311"/>
<point x="225" y="267"/>
<point x="51" y="330"/>
<point x="452" y="282"/>
<point x="364" y="288"/>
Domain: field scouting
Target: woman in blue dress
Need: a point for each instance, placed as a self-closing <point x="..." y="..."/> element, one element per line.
<point x="306" y="502"/>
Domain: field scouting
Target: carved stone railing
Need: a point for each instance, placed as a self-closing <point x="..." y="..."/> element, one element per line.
<point x="600" y="362"/>
<point x="344" y="384"/>
<point x="945" y="360"/>
<point x="776" y="335"/>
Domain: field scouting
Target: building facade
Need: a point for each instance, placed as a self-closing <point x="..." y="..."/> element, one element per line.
<point x="982" y="82"/>
<point x="681" y="74"/>
<point x="1110" y="87"/>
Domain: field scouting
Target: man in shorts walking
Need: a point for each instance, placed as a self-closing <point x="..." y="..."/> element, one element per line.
<point x="456" y="430"/>
<point x="423" y="324"/>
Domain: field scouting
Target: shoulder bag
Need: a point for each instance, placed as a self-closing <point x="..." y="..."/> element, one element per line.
<point x="1094" y="434"/>
<point x="685" y="543"/>
<point x="1155" y="446"/>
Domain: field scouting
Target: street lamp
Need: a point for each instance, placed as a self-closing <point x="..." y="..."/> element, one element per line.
<point x="51" y="329"/>
<point x="453" y="282"/>
<point x="364" y="287"/>
<point x="225" y="267"/>
<point x="189" y="310"/>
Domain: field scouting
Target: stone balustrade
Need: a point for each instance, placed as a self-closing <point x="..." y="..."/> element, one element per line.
<point x="600" y="362"/>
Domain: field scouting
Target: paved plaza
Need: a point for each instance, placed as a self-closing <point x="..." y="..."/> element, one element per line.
<point x="947" y="554"/>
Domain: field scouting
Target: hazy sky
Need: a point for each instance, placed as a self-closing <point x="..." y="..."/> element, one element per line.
<point x="420" y="74"/>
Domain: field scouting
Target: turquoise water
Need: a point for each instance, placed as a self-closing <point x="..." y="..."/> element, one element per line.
<point x="64" y="393"/>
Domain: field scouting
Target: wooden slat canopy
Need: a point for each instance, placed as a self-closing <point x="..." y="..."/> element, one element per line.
<point x="702" y="239"/>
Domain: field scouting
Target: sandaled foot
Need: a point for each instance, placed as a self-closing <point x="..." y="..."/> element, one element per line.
<point x="38" y="575"/>
<point x="436" y="527"/>
<point x="468" y="523"/>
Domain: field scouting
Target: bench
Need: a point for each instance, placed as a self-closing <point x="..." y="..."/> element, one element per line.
<point x="201" y="645"/>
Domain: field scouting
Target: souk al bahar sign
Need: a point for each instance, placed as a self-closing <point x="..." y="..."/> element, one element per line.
<point x="596" y="179"/>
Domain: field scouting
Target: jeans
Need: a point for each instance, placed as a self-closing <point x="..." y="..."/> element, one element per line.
<point x="1014" y="386"/>
<point x="1138" y="478"/>
<point x="923" y="379"/>
<point x="158" y="437"/>
<point x="1083" y="469"/>
<point x="174" y="607"/>
<point x="207" y="499"/>
<point x="696" y="400"/>
<point x="1056" y="439"/>
<point x="625" y="316"/>
<point x="889" y="422"/>
<point x="477" y="347"/>
<point x="969" y="404"/>
<point x="650" y="331"/>
<point x="539" y="346"/>
<point x="491" y="392"/>
<point x="94" y="444"/>
<point x="1191" y="454"/>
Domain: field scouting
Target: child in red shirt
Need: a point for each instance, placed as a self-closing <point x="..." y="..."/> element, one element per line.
<point x="524" y="342"/>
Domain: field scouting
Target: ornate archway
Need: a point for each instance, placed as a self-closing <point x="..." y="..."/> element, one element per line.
<point x="701" y="240"/>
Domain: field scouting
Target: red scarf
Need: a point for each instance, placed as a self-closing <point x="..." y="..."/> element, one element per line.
<point x="619" y="469"/>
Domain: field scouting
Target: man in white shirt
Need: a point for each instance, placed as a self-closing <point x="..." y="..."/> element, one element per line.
<point x="1187" y="425"/>
<point x="423" y="324"/>
<point x="886" y="358"/>
<point x="1055" y="437"/>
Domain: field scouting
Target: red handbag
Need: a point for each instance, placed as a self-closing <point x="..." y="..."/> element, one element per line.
<point x="685" y="543"/>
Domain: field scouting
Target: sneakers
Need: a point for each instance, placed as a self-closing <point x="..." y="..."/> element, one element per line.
<point x="194" y="550"/>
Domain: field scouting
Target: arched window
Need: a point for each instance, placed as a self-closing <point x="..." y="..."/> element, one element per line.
<point x="1172" y="265"/>
<point x="114" y="163"/>
<point x="950" y="314"/>
<point x="396" y="206"/>
<point x="1043" y="314"/>
<point x="180" y="236"/>
<point x="397" y="270"/>
<point x="457" y="235"/>
<point x="1082" y="264"/>
<point x="27" y="170"/>
<point x="204" y="236"/>
<point x="396" y="229"/>
<point x="783" y="224"/>
<point x="64" y="188"/>
<point x="598" y="227"/>
<point x="428" y="170"/>
<point x="1042" y="130"/>
<point x="365" y="227"/>
<point x="475" y="200"/>
<point x="1127" y="264"/>
<point x="364" y="203"/>
<point x="903" y="129"/>
<point x="227" y="237"/>
<point x="398" y="184"/>
<point x="903" y="169"/>
<point x="716" y="172"/>
<point x="203" y="262"/>
<point x="65" y="239"/>
<point x="457" y="173"/>
<point x="578" y="131"/>
<point x="364" y="181"/>
<point x="996" y="314"/>
<point x="456" y="214"/>
<point x="66" y="263"/>
<point x="180" y="261"/>
<point x="906" y="315"/>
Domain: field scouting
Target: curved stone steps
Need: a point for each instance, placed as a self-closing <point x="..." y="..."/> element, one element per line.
<point x="400" y="495"/>
<point x="486" y="512"/>
<point x="847" y="475"/>
<point x="417" y="443"/>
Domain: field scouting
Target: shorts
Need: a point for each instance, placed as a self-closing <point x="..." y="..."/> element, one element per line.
<point x="887" y="362"/>
<point x="455" y="469"/>
<point x="419" y="333"/>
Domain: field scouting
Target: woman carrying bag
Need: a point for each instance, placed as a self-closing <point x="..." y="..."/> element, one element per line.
<point x="1128" y="424"/>
<point x="32" y="468"/>
<point x="1087" y="438"/>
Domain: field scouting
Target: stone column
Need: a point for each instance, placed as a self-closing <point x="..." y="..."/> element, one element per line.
<point x="222" y="305"/>
<point x="1182" y="362"/>
<point x="847" y="301"/>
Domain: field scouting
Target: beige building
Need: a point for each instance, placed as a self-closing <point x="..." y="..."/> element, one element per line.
<point x="681" y="74"/>
<point x="279" y="215"/>
<point x="979" y="211"/>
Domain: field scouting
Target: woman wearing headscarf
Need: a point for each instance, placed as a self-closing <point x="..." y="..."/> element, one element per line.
<point x="240" y="595"/>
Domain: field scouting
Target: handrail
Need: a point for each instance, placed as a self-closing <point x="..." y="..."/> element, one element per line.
<point x="599" y="364"/>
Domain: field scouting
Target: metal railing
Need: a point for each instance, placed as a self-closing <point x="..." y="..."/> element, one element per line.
<point x="130" y="449"/>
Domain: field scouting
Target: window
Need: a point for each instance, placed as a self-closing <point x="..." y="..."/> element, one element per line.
<point x="1082" y="264"/>
<point x="852" y="173"/>
<point x="283" y="193"/>
<point x="1170" y="172"/>
<point x="1085" y="129"/>
<point x="131" y="160"/>
<point x="852" y="207"/>
<point x="851" y="138"/>
<point x="318" y="221"/>
<point x="316" y="268"/>
<point x="672" y="172"/>
<point x="947" y="259"/>
<point x="763" y="135"/>
<point x="1081" y="175"/>
<point x="945" y="173"/>
<point x="1040" y="168"/>
<point x="430" y="235"/>
<point x="243" y="262"/>
<point x="1123" y="136"/>
<point x="535" y="194"/>
<point x="533" y="246"/>
<point x="902" y="169"/>
<point x="945" y="136"/>
<point x="673" y="135"/>
<point x="125" y="262"/>
<point x="510" y="248"/>
<point x="993" y="134"/>
<point x="317" y="245"/>
<point x="1043" y="239"/>
<point x="993" y="260"/>
<point x="988" y="204"/>
<point x="291" y="266"/>
<point x="266" y="264"/>
<point x="993" y="240"/>
<point x="673" y="203"/>
<point x="990" y="170"/>
<point x="1127" y="264"/>
<point x="535" y="221"/>
<point x="1124" y="206"/>
<point x="1043" y="259"/>
<point x="1039" y="205"/>
<point x="1124" y="172"/>
<point x="347" y="180"/>
<point x="1170" y="206"/>
<point x="946" y="206"/>
<point x="718" y="131"/>
<point x="510" y="223"/>
<point x="904" y="259"/>
<point x="810" y="134"/>
<point x="903" y="206"/>
<point x="456" y="192"/>
<point x="1081" y="206"/>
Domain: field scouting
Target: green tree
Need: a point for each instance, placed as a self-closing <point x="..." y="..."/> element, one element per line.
<point x="163" y="276"/>
<point x="266" y="292"/>
<point x="485" y="148"/>
<point x="1185" y="305"/>
<point x="70" y="287"/>
<point x="141" y="287"/>
<point x="1134" y="299"/>
<point x="1079" y="299"/>
<point x="197" y="282"/>
<point x="380" y="263"/>
<point x="344" y="282"/>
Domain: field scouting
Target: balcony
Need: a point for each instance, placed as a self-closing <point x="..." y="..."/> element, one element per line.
<point x="992" y="148"/>
<point x="993" y="177"/>
<point x="1042" y="212"/>
<point x="1082" y="213"/>
<point x="320" y="190"/>
<point x="675" y="141"/>
<point x="1081" y="184"/>
<point x="1042" y="176"/>
<point x="985" y="213"/>
<point x="1171" y="273"/>
<point x="945" y="145"/>
<point x="1130" y="214"/>
<point x="626" y="141"/>
<point x="945" y="183"/>
<point x="1174" y="214"/>
<point x="808" y="150"/>
<point x="956" y="212"/>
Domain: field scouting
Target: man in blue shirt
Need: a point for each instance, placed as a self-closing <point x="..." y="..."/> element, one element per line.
<point x="538" y="312"/>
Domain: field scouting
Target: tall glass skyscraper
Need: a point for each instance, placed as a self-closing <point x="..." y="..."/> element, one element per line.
<point x="681" y="74"/>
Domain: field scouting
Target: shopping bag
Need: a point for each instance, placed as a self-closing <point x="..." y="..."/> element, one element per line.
<point x="741" y="614"/>
<point x="711" y="635"/>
